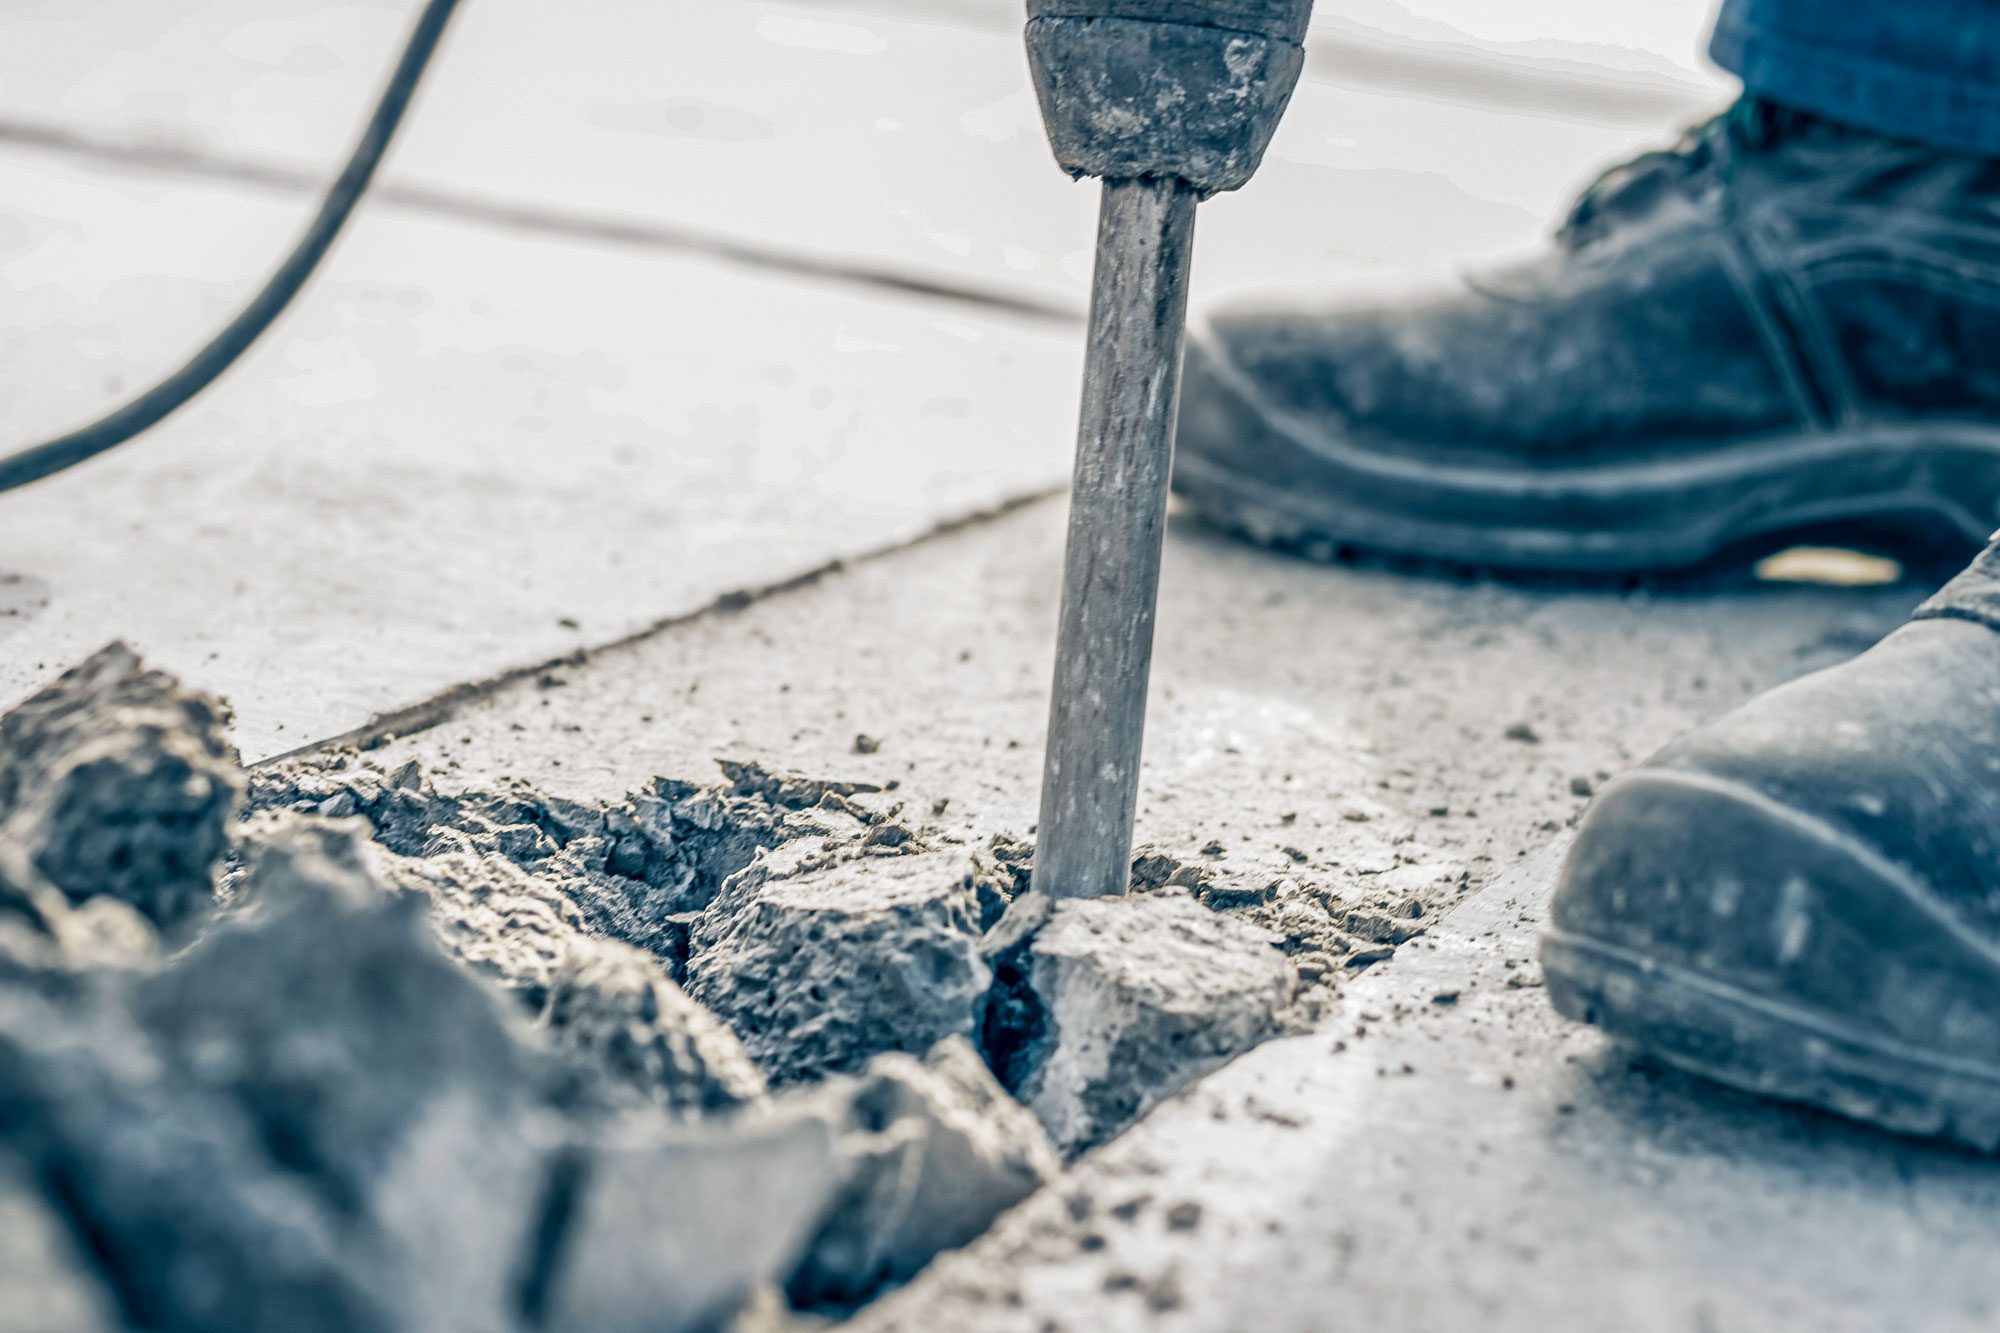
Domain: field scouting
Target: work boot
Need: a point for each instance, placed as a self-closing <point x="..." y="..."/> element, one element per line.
<point x="1802" y="899"/>
<point x="1779" y="324"/>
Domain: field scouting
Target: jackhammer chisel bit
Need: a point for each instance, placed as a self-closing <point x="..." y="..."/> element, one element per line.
<point x="1169" y="102"/>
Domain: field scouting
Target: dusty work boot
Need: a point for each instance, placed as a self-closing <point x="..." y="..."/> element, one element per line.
<point x="1778" y="324"/>
<point x="1802" y="899"/>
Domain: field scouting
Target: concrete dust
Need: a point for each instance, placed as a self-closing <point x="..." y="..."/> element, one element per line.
<point x="330" y="1046"/>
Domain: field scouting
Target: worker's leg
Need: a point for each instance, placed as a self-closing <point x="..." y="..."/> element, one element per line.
<point x="1916" y="69"/>
<point x="1787" y="318"/>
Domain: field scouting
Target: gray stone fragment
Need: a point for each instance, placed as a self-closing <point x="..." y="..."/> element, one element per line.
<point x="609" y="1006"/>
<point x="509" y="926"/>
<point x="673" y="1231"/>
<point x="370" y="1065"/>
<point x="635" y="871"/>
<point x="936" y="1150"/>
<point x="45" y="1284"/>
<point x="617" y="1011"/>
<point x="309" y="1119"/>
<point x="115" y="780"/>
<point x="1128" y="1000"/>
<point x="819" y="971"/>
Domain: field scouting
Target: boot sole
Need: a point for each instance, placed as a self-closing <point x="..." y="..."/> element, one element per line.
<point x="1314" y="493"/>
<point x="1769" y="1048"/>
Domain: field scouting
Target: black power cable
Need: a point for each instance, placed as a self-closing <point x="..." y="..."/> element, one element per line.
<point x="202" y="369"/>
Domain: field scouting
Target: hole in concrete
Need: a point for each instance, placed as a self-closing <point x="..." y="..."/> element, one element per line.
<point x="757" y="1025"/>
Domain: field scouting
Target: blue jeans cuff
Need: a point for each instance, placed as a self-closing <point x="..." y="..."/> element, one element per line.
<point x="1898" y="100"/>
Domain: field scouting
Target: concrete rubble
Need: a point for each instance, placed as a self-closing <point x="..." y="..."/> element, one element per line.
<point x="329" y="1047"/>
<point x="117" y="783"/>
<point x="1117" y="1002"/>
<point x="818" y="972"/>
<point x="945" y="1152"/>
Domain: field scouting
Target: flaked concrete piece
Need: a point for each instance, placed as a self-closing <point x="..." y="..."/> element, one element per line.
<point x="307" y="1119"/>
<point x="635" y="870"/>
<point x="936" y="1150"/>
<point x="615" y="1009"/>
<point x="91" y="1105"/>
<point x="372" y="1065"/>
<point x="116" y="780"/>
<point x="1131" y="999"/>
<point x="46" y="1285"/>
<point x="675" y="1231"/>
<point x="822" y="970"/>
<point x="631" y="1032"/>
<point x="509" y="926"/>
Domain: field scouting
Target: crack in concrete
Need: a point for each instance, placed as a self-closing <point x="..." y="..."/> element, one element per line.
<point x="441" y="707"/>
<point x="520" y="216"/>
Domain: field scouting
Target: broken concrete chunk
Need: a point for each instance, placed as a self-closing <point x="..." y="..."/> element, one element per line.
<point x="41" y="928"/>
<point x="371" y="1065"/>
<point x="616" y="1010"/>
<point x="1153" y="869"/>
<point x="1114" y="1003"/>
<point x="791" y="790"/>
<point x="46" y="1283"/>
<point x="820" y="971"/>
<point x="937" y="1150"/>
<point x="674" y="1231"/>
<point x="115" y="780"/>
<point x="308" y="1119"/>
<point x="611" y="1007"/>
<point x="221" y="1247"/>
<point x="635" y="870"/>
<point x="509" y="926"/>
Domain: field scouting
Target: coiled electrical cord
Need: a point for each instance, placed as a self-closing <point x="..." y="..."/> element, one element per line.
<point x="203" y="368"/>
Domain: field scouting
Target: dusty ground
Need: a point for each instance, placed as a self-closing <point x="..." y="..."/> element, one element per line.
<point x="1373" y="736"/>
<point x="1430" y="1168"/>
<point x="590" y="364"/>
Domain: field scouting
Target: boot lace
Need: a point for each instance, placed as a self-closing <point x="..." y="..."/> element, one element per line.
<point x="1702" y="158"/>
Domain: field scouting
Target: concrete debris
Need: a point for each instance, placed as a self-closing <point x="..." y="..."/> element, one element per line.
<point x="635" y="871"/>
<point x="1381" y="927"/>
<point x="113" y="780"/>
<point x="1111" y="1004"/>
<point x="509" y="926"/>
<point x="46" y="1284"/>
<point x="790" y="790"/>
<point x="360" y="1054"/>
<point x="820" y="968"/>
<point x="615" y="1008"/>
<point x="1153" y="870"/>
<point x="307" y="1119"/>
<point x="630" y="1031"/>
<point x="673" y="1230"/>
<point x="940" y="1151"/>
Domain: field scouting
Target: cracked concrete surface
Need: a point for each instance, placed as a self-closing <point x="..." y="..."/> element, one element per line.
<point x="1446" y="1154"/>
<point x="1362" y="760"/>
<point x="1380" y="735"/>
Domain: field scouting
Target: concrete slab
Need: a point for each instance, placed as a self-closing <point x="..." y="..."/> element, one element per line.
<point x="476" y="416"/>
<point x="1413" y="1165"/>
<point x="1423" y="1166"/>
<point x="890" y="136"/>
<point x="466" y="450"/>
<point x="1359" y="718"/>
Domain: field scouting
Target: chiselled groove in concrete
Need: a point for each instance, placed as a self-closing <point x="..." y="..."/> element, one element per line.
<point x="444" y="705"/>
<point x="531" y="218"/>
